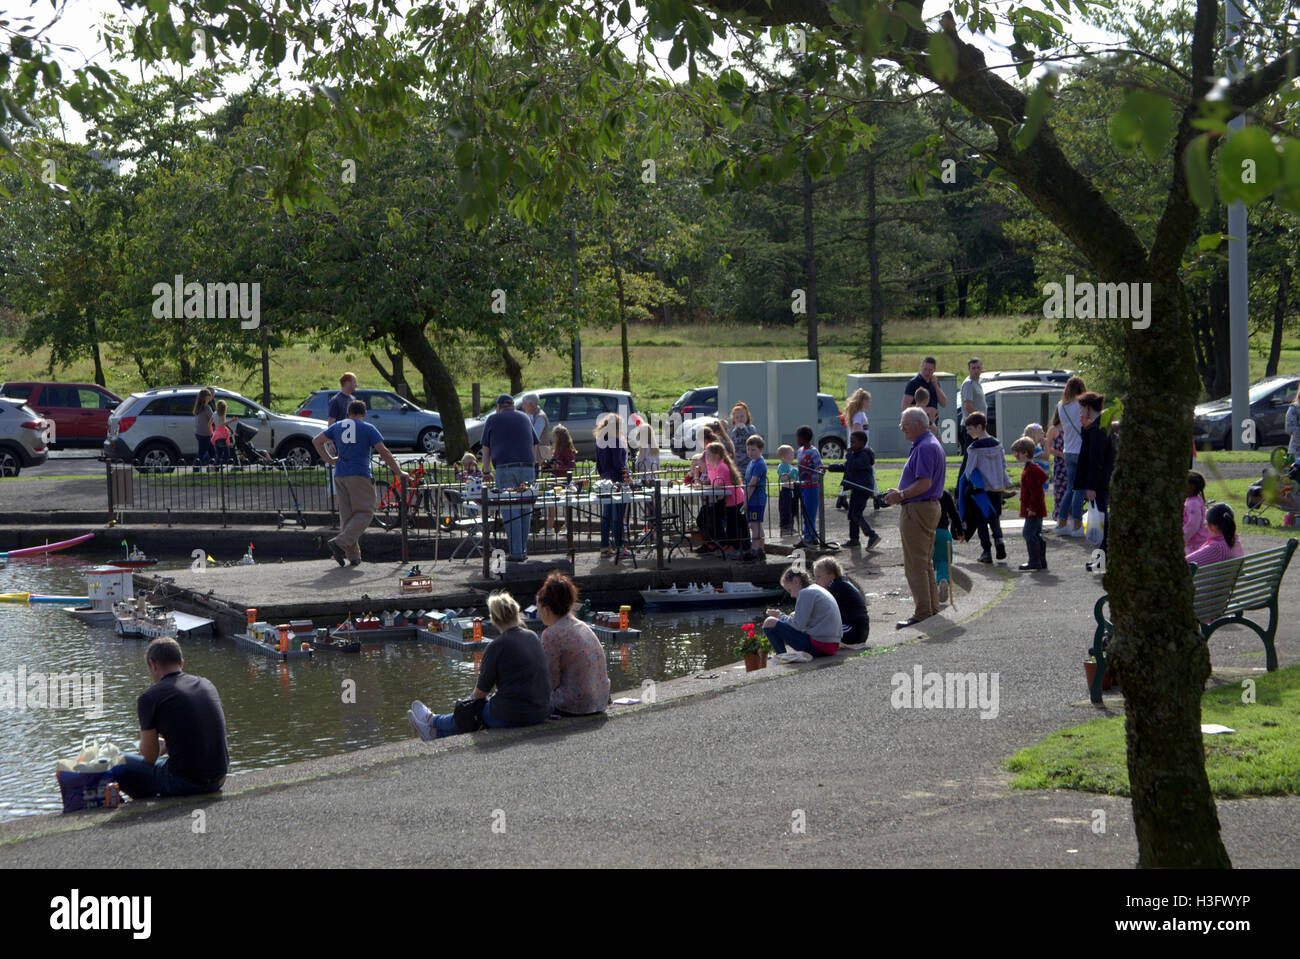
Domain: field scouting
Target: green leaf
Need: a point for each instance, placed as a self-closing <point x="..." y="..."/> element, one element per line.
<point x="1288" y="194"/>
<point x="1250" y="167"/>
<point x="943" y="57"/>
<point x="1034" y="113"/>
<point x="1196" y="165"/>
<point x="677" y="55"/>
<point x="1144" y="121"/>
<point x="1209" y="242"/>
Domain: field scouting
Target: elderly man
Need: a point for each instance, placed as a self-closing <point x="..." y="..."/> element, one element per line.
<point x="541" y="426"/>
<point x="510" y="452"/>
<point x="925" y="378"/>
<point x="920" y="490"/>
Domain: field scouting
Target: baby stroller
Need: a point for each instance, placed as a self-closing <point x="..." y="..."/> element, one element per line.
<point x="1279" y="486"/>
<point x="244" y="454"/>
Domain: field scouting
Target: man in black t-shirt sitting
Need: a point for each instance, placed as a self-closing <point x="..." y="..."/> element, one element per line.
<point x="181" y="721"/>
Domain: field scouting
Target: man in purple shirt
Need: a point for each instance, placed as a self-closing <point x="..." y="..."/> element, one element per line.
<point x="920" y="489"/>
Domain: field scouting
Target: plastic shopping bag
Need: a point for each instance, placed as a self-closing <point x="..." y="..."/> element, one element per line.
<point x="1094" y="525"/>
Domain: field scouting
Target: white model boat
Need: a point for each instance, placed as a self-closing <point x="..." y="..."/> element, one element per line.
<point x="105" y="585"/>
<point x="706" y="594"/>
<point x="141" y="620"/>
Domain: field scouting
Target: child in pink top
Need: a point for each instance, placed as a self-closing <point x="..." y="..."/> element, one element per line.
<point x="722" y="472"/>
<point x="1222" y="543"/>
<point x="1195" y="532"/>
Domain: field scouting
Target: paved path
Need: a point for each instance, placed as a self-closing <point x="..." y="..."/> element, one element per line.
<point x="720" y="777"/>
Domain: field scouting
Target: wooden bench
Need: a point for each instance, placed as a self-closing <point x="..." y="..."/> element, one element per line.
<point x="1221" y="595"/>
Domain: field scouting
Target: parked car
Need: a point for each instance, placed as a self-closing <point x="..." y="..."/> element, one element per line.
<point x="401" y="422"/>
<point x="1037" y="376"/>
<point x="576" y="409"/>
<point x="22" y="437"/>
<point x="700" y="401"/>
<point x="830" y="434"/>
<point x="155" y="429"/>
<point x="1269" y="398"/>
<point x="79" y="411"/>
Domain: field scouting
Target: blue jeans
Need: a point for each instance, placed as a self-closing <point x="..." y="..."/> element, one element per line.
<point x="1072" y="504"/>
<point x="611" y="521"/>
<point x="205" y="453"/>
<point x="783" y="634"/>
<point x="444" y="724"/>
<point x="144" y="780"/>
<point x="808" y="495"/>
<point x="516" y="518"/>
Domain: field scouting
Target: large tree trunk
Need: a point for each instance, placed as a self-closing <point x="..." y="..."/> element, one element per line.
<point x="810" y="260"/>
<point x="1158" y="651"/>
<point x="439" y="384"/>
<point x="1279" y="315"/>
<point x="876" y="356"/>
<point x="622" y="318"/>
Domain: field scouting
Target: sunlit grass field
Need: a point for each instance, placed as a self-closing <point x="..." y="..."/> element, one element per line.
<point x="665" y="361"/>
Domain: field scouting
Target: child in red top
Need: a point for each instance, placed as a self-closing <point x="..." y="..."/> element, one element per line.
<point x="1033" y="504"/>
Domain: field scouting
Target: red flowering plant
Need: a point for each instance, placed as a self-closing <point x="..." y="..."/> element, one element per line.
<point x="755" y="641"/>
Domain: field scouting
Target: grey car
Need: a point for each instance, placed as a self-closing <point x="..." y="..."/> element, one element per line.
<point x="402" y="424"/>
<point x="577" y="410"/>
<point x="155" y="429"/>
<point x="22" y="437"/>
<point x="1269" y="398"/>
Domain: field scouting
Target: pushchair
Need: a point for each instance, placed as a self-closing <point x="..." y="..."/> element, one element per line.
<point x="244" y="454"/>
<point x="1279" y="487"/>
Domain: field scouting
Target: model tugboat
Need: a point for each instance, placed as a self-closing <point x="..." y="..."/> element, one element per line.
<point x="134" y="558"/>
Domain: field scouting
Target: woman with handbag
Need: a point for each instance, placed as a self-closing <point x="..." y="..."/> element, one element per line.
<point x="514" y="664"/>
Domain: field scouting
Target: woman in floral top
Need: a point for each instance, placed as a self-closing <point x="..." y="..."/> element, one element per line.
<point x="575" y="657"/>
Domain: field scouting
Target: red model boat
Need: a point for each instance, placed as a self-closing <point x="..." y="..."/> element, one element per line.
<point x="134" y="559"/>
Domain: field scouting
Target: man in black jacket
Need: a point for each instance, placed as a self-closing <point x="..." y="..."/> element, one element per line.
<point x="1096" y="456"/>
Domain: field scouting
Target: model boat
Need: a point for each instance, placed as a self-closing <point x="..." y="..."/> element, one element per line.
<point x="705" y="594"/>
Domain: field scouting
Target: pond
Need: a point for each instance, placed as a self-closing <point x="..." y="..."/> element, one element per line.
<point x="275" y="712"/>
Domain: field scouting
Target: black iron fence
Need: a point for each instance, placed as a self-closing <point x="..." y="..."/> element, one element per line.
<point x="651" y="517"/>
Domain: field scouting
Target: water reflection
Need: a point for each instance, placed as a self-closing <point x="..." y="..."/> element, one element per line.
<point x="275" y="712"/>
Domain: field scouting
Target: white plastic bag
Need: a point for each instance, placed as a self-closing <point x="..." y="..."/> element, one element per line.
<point x="1094" y="525"/>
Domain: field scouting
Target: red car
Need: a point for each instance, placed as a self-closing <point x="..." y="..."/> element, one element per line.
<point x="79" y="410"/>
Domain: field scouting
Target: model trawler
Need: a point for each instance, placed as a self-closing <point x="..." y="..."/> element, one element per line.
<point x="706" y="594"/>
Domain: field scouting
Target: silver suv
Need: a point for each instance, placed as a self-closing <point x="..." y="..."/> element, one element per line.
<point x="577" y="410"/>
<point x="22" y="437"/>
<point x="399" y="421"/>
<point x="155" y="429"/>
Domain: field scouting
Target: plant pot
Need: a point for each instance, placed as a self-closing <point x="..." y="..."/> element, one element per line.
<point x="762" y="660"/>
<point x="753" y="661"/>
<point x="1108" y="681"/>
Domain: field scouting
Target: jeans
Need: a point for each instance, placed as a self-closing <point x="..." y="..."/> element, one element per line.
<point x="204" y="455"/>
<point x="444" y="724"/>
<point x="981" y="523"/>
<point x="517" y="519"/>
<point x="1072" y="504"/>
<point x="858" y="515"/>
<point x="788" y="505"/>
<point x="783" y="634"/>
<point x="808" y="495"/>
<point x="144" y="780"/>
<point x="611" y="521"/>
<point x="1033" y="533"/>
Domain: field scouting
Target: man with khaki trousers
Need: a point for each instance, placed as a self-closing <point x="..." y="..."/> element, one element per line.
<point x="354" y="438"/>
<point x="920" y="490"/>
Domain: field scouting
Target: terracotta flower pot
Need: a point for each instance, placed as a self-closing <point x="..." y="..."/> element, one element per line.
<point x="753" y="662"/>
<point x="1108" y="681"/>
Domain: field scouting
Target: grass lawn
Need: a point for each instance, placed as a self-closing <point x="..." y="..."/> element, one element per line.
<point x="666" y="361"/>
<point x="1262" y="758"/>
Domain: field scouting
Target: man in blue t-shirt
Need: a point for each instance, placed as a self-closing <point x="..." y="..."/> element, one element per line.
<point x="510" y="451"/>
<point x="354" y="438"/>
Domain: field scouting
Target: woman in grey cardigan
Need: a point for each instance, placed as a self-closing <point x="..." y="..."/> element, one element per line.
<point x="813" y="629"/>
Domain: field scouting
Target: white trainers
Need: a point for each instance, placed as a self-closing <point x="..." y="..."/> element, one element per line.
<point x="784" y="657"/>
<point x="853" y="646"/>
<point x="799" y="656"/>
<point x="423" y="730"/>
<point x="1078" y="532"/>
<point x="422" y="712"/>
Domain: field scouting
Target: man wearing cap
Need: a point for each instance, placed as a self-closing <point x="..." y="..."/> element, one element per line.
<point x="509" y="457"/>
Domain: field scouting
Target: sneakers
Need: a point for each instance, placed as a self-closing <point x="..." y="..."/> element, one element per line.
<point x="355" y="562"/>
<point x="799" y="656"/>
<point x="872" y="540"/>
<point x="986" y="557"/>
<point x="336" y="551"/>
<point x="422" y="729"/>
<point x="943" y="591"/>
<point x="853" y="646"/>
<point x="999" y="549"/>
<point x="422" y="712"/>
<point x="782" y="657"/>
<point x="1077" y="532"/>
<point x="810" y="543"/>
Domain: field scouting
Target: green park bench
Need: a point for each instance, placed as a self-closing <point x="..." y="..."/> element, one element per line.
<point x="1221" y="594"/>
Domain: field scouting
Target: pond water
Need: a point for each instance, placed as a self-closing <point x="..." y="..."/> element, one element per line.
<point x="275" y="712"/>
